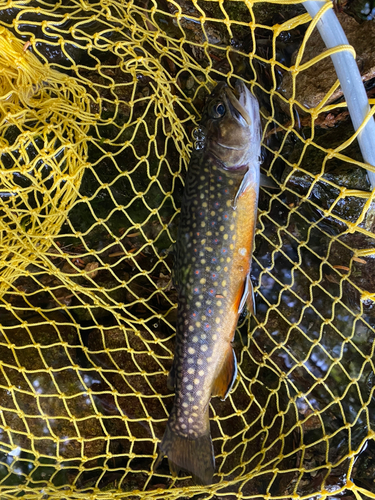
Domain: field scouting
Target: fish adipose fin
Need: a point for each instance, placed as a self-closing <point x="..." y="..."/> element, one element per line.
<point x="171" y="379"/>
<point x="227" y="375"/>
<point x="248" y="297"/>
<point x="195" y="456"/>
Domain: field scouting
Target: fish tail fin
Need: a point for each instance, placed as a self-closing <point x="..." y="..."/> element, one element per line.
<point x="195" y="456"/>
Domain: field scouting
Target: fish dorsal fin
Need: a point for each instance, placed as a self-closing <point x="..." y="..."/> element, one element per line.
<point x="227" y="375"/>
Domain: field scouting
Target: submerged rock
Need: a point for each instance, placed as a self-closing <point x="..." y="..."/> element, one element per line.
<point x="313" y="83"/>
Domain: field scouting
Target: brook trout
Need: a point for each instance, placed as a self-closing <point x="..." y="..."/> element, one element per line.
<point x="212" y="272"/>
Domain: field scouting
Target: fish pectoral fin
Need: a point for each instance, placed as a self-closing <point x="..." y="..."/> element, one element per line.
<point x="249" y="179"/>
<point x="171" y="381"/>
<point x="268" y="182"/>
<point x="228" y="374"/>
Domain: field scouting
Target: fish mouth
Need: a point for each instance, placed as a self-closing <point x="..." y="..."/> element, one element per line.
<point x="239" y="105"/>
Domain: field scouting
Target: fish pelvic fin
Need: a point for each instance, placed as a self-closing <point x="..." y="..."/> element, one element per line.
<point x="250" y="301"/>
<point x="195" y="456"/>
<point x="227" y="376"/>
<point x="248" y="297"/>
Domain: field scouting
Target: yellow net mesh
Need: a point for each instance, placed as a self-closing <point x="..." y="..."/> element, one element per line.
<point x="97" y="102"/>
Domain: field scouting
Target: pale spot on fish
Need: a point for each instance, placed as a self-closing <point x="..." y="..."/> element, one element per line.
<point x="217" y="321"/>
<point x="191" y="328"/>
<point x="191" y="350"/>
<point x="185" y="405"/>
<point x="189" y="387"/>
<point x="190" y="371"/>
<point x="198" y="324"/>
<point x="200" y="362"/>
<point x="204" y="348"/>
<point x="195" y="338"/>
<point x="242" y="251"/>
<point x="196" y="381"/>
<point x="201" y="373"/>
<point x="223" y="283"/>
<point x="231" y="227"/>
<point x="214" y="337"/>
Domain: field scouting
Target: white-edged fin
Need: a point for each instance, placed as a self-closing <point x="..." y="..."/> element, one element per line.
<point x="248" y="179"/>
<point x="227" y="376"/>
<point x="246" y="290"/>
<point x="251" y="300"/>
<point x="248" y="297"/>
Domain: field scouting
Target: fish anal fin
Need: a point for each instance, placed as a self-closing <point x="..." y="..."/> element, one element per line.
<point x="226" y="377"/>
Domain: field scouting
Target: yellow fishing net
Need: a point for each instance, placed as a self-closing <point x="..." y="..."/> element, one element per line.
<point x="98" y="99"/>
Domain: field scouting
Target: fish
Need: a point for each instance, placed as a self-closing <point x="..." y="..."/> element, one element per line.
<point x="212" y="259"/>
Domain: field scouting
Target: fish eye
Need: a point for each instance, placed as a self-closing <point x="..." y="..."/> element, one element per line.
<point x="217" y="110"/>
<point x="220" y="109"/>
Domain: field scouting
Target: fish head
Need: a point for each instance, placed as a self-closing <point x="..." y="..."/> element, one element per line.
<point x="231" y="125"/>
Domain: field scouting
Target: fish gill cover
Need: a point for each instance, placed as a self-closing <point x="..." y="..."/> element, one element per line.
<point x="98" y="102"/>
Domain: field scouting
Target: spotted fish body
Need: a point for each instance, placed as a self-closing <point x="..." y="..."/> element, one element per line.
<point x="212" y="266"/>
